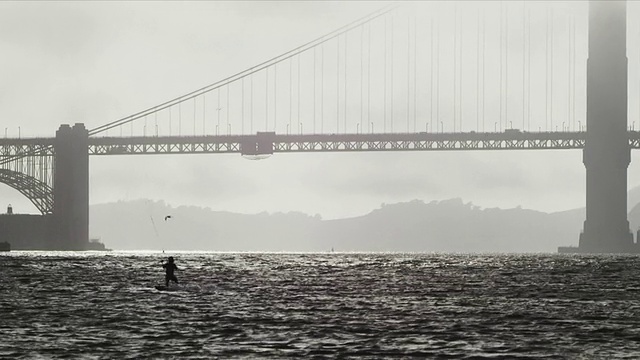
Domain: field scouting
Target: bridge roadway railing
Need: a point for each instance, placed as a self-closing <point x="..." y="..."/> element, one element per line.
<point x="268" y="142"/>
<point x="10" y="147"/>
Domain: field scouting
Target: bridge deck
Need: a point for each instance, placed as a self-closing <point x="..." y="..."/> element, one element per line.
<point x="268" y="142"/>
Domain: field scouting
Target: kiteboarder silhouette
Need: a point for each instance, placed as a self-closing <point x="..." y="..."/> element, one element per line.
<point x="170" y="267"/>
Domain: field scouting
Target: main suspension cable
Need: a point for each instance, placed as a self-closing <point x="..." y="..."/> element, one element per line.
<point x="247" y="72"/>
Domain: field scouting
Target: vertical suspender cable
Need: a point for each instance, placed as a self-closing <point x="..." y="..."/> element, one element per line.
<point x="338" y="86"/>
<point x="384" y="85"/>
<point x="290" y="93"/>
<point x="408" y="69"/>
<point x="501" y="60"/>
<point x="275" y="96"/>
<point x="242" y="113"/>
<point x="460" y="62"/>
<point x="346" y="38"/>
<point x="455" y="65"/>
<point x="569" y="53"/>
<point x="506" y="67"/>
<point x="369" y="76"/>
<point x="266" y="102"/>
<point x="299" y="100"/>
<point x="431" y="90"/>
<point x="574" y="71"/>
<point x="546" y="77"/>
<point x="529" y="70"/>
<point x="314" y="89"/>
<point x="438" y="74"/>
<point x="322" y="89"/>
<point x="251" y="107"/>
<point x="204" y="111"/>
<point x="524" y="61"/>
<point x="478" y="71"/>
<point x="484" y="68"/>
<point x="194" y="116"/>
<point x="391" y="68"/>
<point x="415" y="74"/>
<point x="551" y="75"/>
<point x="361" y="77"/>
<point x="228" y="111"/>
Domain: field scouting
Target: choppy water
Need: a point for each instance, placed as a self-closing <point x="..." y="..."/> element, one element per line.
<point x="103" y="305"/>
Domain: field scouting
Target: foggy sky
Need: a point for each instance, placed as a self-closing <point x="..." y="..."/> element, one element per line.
<point x="96" y="62"/>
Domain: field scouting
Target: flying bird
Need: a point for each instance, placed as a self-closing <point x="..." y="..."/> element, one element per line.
<point x="167" y="217"/>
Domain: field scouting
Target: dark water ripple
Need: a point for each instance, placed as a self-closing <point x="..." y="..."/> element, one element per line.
<point x="104" y="306"/>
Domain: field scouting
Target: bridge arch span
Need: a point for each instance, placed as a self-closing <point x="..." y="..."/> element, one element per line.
<point x="38" y="192"/>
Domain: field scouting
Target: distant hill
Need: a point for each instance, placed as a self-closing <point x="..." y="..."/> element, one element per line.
<point x="441" y="226"/>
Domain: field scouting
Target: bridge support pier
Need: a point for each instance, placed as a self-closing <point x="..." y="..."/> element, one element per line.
<point x="606" y="229"/>
<point x="71" y="189"/>
<point x="607" y="153"/>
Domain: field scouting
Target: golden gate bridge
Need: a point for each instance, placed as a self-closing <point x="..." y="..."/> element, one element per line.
<point x="404" y="78"/>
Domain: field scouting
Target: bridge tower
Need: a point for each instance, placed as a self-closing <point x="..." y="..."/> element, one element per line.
<point x="607" y="153"/>
<point x="71" y="188"/>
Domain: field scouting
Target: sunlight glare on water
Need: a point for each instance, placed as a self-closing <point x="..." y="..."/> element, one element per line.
<point x="301" y="305"/>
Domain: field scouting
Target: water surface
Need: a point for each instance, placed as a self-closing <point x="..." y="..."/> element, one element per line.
<point x="274" y="305"/>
